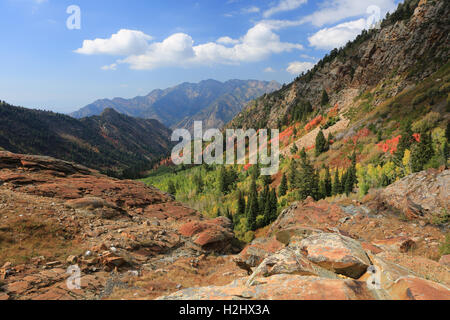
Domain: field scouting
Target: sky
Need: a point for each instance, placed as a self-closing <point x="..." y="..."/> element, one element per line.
<point x="62" y="55"/>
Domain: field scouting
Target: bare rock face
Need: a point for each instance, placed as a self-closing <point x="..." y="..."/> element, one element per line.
<point x="338" y="253"/>
<point x="280" y="287"/>
<point x="421" y="194"/>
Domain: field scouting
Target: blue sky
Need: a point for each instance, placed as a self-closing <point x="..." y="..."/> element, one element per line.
<point x="128" y="48"/>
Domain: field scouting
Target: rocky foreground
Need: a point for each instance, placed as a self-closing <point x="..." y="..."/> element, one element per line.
<point x="131" y="241"/>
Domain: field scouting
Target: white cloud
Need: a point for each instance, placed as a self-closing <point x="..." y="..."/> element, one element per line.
<point x="253" y="9"/>
<point x="110" y="67"/>
<point x="269" y="69"/>
<point x="121" y="43"/>
<point x="333" y="11"/>
<point x="175" y="50"/>
<point x="284" y="5"/>
<point x="337" y="36"/>
<point x="227" y="40"/>
<point x="179" y="50"/>
<point x="298" y="67"/>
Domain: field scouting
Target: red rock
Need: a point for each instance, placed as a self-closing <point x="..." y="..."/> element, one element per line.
<point x="258" y="250"/>
<point x="335" y="252"/>
<point x="413" y="288"/>
<point x="280" y="287"/>
<point x="400" y="244"/>
<point x="4" y="297"/>
<point x="215" y="235"/>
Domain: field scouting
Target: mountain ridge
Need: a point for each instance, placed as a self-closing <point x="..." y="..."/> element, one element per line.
<point x="110" y="142"/>
<point x="187" y="102"/>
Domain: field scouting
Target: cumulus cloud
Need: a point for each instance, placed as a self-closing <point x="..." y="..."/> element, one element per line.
<point x="123" y="42"/>
<point x="298" y="67"/>
<point x="284" y="5"/>
<point x="337" y="36"/>
<point x="179" y="50"/>
<point x="269" y="69"/>
<point x="227" y="40"/>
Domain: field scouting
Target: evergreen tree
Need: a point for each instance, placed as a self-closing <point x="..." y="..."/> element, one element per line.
<point x="253" y="208"/>
<point x="322" y="190"/>
<point x="348" y="187"/>
<point x="283" y="186"/>
<point x="292" y="174"/>
<point x="405" y="141"/>
<point x="241" y="205"/>
<point x="328" y="184"/>
<point x="447" y="132"/>
<point x="325" y="99"/>
<point x="421" y="153"/>
<point x="336" y="188"/>
<point x="171" y="188"/>
<point x="267" y="180"/>
<point x="308" y="180"/>
<point x="223" y="185"/>
<point x="321" y="143"/>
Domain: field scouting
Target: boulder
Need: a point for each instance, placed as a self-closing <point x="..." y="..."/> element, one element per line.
<point x="280" y="287"/>
<point x="288" y="261"/>
<point x="212" y="235"/>
<point x="337" y="253"/>
<point x="258" y="250"/>
<point x="422" y="193"/>
<point x="413" y="288"/>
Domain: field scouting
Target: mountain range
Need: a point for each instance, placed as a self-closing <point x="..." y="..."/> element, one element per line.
<point x="213" y="102"/>
<point x="110" y="142"/>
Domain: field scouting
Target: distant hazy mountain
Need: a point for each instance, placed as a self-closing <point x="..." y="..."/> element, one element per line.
<point x="210" y="101"/>
<point x="109" y="142"/>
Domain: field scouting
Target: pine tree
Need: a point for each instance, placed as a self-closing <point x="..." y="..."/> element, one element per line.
<point x="223" y="186"/>
<point x="283" y="186"/>
<point x="267" y="180"/>
<point x="336" y="188"/>
<point x="348" y="187"/>
<point x="253" y="208"/>
<point x="447" y="132"/>
<point x="241" y="205"/>
<point x="292" y="174"/>
<point x="321" y="143"/>
<point x="273" y="206"/>
<point x="325" y="99"/>
<point x="328" y="184"/>
<point x="308" y="180"/>
<point x="405" y="141"/>
<point x="171" y="188"/>
<point x="421" y="153"/>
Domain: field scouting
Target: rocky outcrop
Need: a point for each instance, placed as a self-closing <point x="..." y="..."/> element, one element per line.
<point x="210" y="235"/>
<point x="421" y="194"/>
<point x="337" y="253"/>
<point x="70" y="215"/>
<point x="280" y="287"/>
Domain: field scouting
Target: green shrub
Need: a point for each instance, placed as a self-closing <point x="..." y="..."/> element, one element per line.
<point x="444" y="249"/>
<point x="427" y="122"/>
